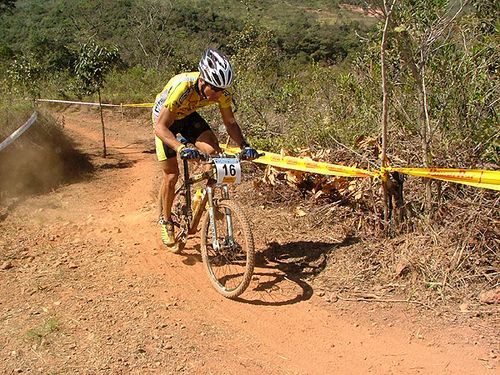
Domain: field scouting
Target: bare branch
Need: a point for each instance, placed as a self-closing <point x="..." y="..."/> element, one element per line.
<point x="442" y="25"/>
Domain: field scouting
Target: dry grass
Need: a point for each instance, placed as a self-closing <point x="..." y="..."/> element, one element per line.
<point x="443" y="260"/>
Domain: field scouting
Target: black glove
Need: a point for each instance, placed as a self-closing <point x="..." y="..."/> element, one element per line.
<point x="249" y="153"/>
<point x="190" y="153"/>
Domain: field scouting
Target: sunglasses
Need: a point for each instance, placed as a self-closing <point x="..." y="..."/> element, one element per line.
<point x="216" y="89"/>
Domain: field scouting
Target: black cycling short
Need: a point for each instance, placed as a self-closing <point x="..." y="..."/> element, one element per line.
<point x="190" y="127"/>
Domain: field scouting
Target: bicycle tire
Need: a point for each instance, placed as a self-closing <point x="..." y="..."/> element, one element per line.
<point x="178" y="207"/>
<point x="230" y="269"/>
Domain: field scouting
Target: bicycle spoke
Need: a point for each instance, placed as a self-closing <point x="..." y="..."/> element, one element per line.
<point x="231" y="265"/>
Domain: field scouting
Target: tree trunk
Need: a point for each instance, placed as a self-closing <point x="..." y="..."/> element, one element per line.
<point x="102" y="125"/>
<point x="385" y="115"/>
<point x="404" y="43"/>
<point x="425" y="126"/>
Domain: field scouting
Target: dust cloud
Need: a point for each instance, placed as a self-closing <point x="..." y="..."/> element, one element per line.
<point x="42" y="159"/>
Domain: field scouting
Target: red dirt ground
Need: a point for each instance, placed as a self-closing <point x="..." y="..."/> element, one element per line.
<point x="85" y="288"/>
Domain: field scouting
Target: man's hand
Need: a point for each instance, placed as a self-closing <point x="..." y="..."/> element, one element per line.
<point x="249" y="153"/>
<point x="189" y="153"/>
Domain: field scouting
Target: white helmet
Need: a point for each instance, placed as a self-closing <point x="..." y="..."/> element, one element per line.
<point x="215" y="69"/>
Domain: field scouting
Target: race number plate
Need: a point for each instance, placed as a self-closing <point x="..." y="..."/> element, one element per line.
<point x="228" y="170"/>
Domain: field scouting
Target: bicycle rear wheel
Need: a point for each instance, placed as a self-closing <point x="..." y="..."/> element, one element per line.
<point x="178" y="216"/>
<point x="230" y="267"/>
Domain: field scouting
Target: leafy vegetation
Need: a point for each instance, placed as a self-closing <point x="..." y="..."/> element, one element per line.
<point x="6" y="6"/>
<point x="93" y="64"/>
<point x="306" y="74"/>
<point x="48" y="327"/>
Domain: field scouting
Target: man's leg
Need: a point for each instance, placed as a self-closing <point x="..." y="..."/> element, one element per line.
<point x="170" y="171"/>
<point x="207" y="142"/>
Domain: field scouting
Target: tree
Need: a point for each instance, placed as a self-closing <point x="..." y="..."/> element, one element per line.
<point x="152" y="23"/>
<point x="436" y="19"/>
<point x="25" y="73"/>
<point x="7" y="6"/>
<point x="94" y="62"/>
<point x="423" y="35"/>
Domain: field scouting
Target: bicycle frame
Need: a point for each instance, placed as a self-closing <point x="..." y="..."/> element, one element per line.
<point x="193" y="218"/>
<point x="185" y="188"/>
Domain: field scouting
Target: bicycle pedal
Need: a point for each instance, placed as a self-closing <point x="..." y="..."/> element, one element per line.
<point x="174" y="248"/>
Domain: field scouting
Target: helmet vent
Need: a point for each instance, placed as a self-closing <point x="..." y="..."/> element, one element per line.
<point x="215" y="69"/>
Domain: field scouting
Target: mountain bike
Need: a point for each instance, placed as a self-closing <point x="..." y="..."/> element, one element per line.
<point x="227" y="245"/>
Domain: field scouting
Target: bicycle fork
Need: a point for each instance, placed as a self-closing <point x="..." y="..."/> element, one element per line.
<point x="213" y="223"/>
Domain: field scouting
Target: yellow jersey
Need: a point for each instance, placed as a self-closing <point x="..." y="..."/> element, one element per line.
<point x="181" y="96"/>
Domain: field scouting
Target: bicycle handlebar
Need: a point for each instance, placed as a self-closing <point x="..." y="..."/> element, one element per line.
<point x="208" y="158"/>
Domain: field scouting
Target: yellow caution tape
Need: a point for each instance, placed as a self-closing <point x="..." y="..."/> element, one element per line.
<point x="383" y="174"/>
<point x="474" y="177"/>
<point x="299" y="164"/>
<point x="139" y="105"/>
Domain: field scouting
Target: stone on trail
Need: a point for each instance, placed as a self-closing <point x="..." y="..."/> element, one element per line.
<point x="6" y="265"/>
<point x="490" y="296"/>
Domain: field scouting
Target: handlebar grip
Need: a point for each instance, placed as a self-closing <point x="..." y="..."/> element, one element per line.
<point x="182" y="139"/>
<point x="240" y="156"/>
<point x="202" y="157"/>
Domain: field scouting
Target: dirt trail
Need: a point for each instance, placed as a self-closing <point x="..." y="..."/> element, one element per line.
<point x="89" y="290"/>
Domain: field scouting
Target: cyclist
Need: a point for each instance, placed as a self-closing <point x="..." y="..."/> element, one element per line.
<point x="174" y="112"/>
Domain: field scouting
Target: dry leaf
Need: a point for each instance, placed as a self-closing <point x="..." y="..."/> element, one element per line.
<point x="299" y="212"/>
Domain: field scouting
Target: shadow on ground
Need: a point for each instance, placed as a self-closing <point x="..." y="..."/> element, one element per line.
<point x="117" y="165"/>
<point x="282" y="270"/>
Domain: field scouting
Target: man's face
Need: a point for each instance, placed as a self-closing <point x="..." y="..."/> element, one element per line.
<point x="211" y="92"/>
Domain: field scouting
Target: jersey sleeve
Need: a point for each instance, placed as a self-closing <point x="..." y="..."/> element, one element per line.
<point x="225" y="100"/>
<point x="176" y="96"/>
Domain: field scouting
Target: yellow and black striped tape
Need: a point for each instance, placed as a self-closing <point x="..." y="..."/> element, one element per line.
<point x="475" y="177"/>
<point x="306" y="165"/>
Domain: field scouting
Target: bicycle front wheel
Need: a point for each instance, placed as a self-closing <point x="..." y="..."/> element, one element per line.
<point x="229" y="254"/>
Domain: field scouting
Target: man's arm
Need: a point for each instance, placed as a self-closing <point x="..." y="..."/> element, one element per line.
<point x="232" y="127"/>
<point x="162" y="131"/>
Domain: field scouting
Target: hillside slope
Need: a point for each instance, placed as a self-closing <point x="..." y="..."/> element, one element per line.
<point x="86" y="288"/>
